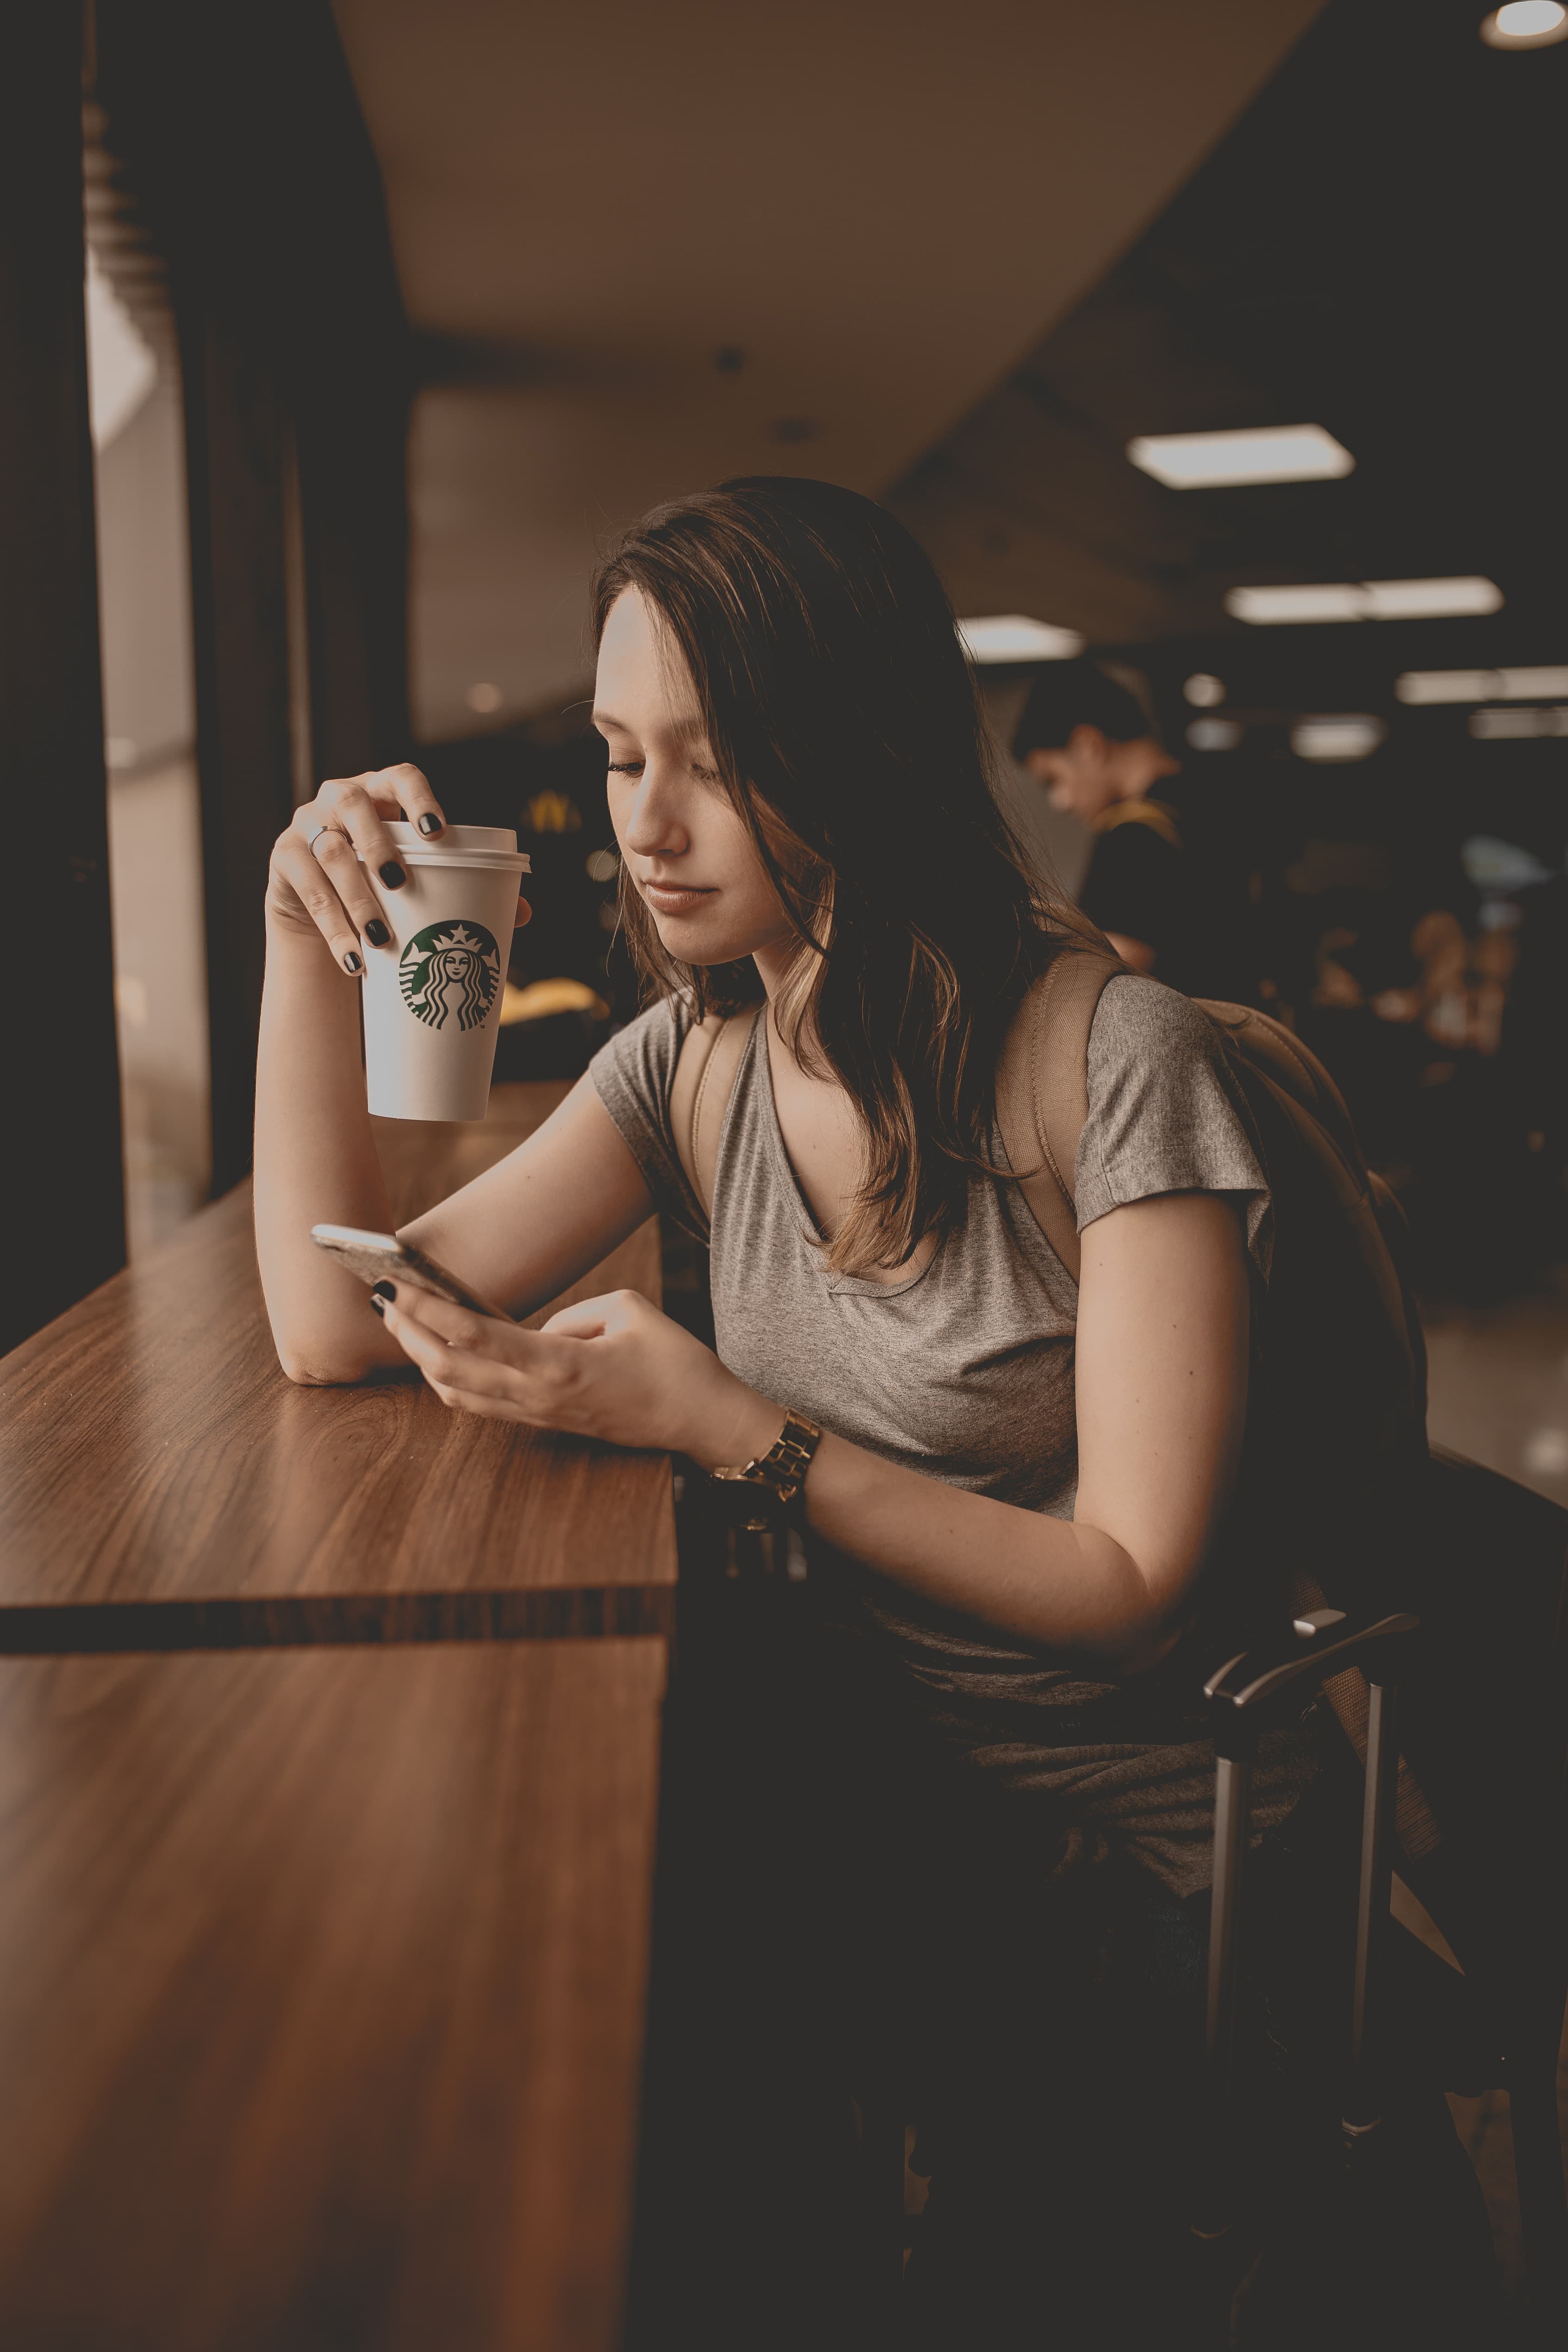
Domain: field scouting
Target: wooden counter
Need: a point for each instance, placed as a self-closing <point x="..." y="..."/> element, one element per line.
<point x="321" y="1991"/>
<point x="163" y="1486"/>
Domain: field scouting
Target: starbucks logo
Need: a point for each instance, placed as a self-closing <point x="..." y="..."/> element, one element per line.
<point x="450" y="968"/>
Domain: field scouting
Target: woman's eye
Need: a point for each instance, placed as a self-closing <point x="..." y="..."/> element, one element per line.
<point x="705" y="775"/>
<point x="626" y="766"/>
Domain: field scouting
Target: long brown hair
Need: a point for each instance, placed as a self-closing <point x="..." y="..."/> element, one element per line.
<point x="843" y="717"/>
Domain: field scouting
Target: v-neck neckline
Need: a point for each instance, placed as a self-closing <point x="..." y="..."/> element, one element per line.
<point x="810" y="1232"/>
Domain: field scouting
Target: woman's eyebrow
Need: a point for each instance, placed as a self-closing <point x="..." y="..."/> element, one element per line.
<point x="685" y="732"/>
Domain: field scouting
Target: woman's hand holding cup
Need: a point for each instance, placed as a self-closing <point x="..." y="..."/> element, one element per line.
<point x="318" y="882"/>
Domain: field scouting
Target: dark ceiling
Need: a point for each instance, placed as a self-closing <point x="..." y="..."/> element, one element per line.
<point x="1373" y="248"/>
<point x="1376" y="247"/>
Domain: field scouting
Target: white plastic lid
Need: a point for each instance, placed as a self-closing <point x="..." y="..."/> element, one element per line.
<point x="495" y="837"/>
<point x="461" y="845"/>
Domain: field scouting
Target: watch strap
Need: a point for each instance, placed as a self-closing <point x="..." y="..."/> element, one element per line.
<point x="780" y="1472"/>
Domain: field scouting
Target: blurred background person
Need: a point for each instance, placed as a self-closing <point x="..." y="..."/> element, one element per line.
<point x="1168" y="877"/>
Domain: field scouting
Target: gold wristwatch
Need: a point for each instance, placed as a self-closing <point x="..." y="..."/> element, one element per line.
<point x="774" y="1479"/>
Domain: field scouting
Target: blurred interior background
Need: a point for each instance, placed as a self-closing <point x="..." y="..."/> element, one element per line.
<point x="395" y="312"/>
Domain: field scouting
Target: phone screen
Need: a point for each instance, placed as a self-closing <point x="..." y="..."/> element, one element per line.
<point x="382" y="1257"/>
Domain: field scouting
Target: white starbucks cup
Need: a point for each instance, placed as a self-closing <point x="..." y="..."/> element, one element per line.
<point x="432" y="999"/>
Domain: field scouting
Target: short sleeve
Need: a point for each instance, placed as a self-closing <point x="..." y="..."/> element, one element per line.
<point x="632" y="1076"/>
<point x="1166" y="1113"/>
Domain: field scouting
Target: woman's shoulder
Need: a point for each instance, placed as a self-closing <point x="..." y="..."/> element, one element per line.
<point x="1166" y="1113"/>
<point x="1140" y="1022"/>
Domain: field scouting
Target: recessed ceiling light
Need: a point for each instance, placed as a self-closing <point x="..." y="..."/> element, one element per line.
<point x="1350" y="735"/>
<point x="1480" y="685"/>
<point x="1214" y="734"/>
<point x="1363" y="600"/>
<point x="1013" y="637"/>
<point x="483" y="698"/>
<point x="1517" y="725"/>
<point x="1525" y="24"/>
<point x="1203" y="692"/>
<point x="1264" y="452"/>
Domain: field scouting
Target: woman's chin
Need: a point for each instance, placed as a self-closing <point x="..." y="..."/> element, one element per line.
<point x="691" y="940"/>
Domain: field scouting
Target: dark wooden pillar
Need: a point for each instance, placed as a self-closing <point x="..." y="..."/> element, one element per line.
<point x="235" y="432"/>
<point x="61" y="1194"/>
<point x="241" y="138"/>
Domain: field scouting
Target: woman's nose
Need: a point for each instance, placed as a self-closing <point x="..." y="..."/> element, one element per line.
<point x="652" y="828"/>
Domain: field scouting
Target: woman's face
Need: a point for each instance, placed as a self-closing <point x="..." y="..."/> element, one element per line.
<point x="681" y="841"/>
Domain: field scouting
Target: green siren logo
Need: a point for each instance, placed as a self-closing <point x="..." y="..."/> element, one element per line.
<point x="450" y="968"/>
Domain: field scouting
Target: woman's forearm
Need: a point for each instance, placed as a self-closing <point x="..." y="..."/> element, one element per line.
<point x="1056" y="1584"/>
<point x="316" y="1163"/>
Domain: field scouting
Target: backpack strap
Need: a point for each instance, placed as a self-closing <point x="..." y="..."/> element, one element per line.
<point x="705" y="1071"/>
<point x="1042" y="1101"/>
<point x="1042" y="1085"/>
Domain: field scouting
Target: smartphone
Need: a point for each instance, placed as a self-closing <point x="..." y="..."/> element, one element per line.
<point x="382" y="1257"/>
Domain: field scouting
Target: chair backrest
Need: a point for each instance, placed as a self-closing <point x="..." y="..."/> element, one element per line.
<point x="1489" y="1712"/>
<point x="1484" y="1720"/>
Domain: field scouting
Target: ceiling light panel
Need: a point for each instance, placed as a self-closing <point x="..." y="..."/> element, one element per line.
<point x="1363" y="600"/>
<point x="1218" y="461"/>
<point x="1014" y="638"/>
<point x="1481" y="685"/>
<point x="1422" y="600"/>
<point x="1264" y="606"/>
<point x="1347" y="735"/>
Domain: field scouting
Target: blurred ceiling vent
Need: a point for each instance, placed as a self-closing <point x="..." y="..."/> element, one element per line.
<point x="1220" y="461"/>
<point x="1013" y="637"/>
<point x="1346" y="735"/>
<point x="1363" y="600"/>
<point x="1481" y="685"/>
<point x="1517" y="725"/>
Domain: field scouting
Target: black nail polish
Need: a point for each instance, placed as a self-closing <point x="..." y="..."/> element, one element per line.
<point x="379" y="1304"/>
<point x="377" y="932"/>
<point x="430" y="821"/>
<point x="352" y="962"/>
<point x="392" y="875"/>
<point x="383" y="1290"/>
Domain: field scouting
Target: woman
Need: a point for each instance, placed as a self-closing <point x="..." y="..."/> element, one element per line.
<point x="1016" y="1491"/>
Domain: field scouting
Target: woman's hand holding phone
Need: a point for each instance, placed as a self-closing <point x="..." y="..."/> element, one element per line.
<point x="611" y="1367"/>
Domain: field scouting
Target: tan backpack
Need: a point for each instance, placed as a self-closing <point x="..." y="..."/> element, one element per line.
<point x="1336" y="1428"/>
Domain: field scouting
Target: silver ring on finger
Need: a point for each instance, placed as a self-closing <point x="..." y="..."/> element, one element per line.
<point x="313" y="837"/>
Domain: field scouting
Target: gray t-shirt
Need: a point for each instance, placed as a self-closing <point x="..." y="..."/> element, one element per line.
<point x="965" y="1372"/>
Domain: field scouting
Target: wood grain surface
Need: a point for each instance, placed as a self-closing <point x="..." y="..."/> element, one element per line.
<point x="162" y="1485"/>
<point x="322" y="1978"/>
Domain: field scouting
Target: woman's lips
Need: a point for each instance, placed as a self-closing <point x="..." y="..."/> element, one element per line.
<point x="670" y="898"/>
